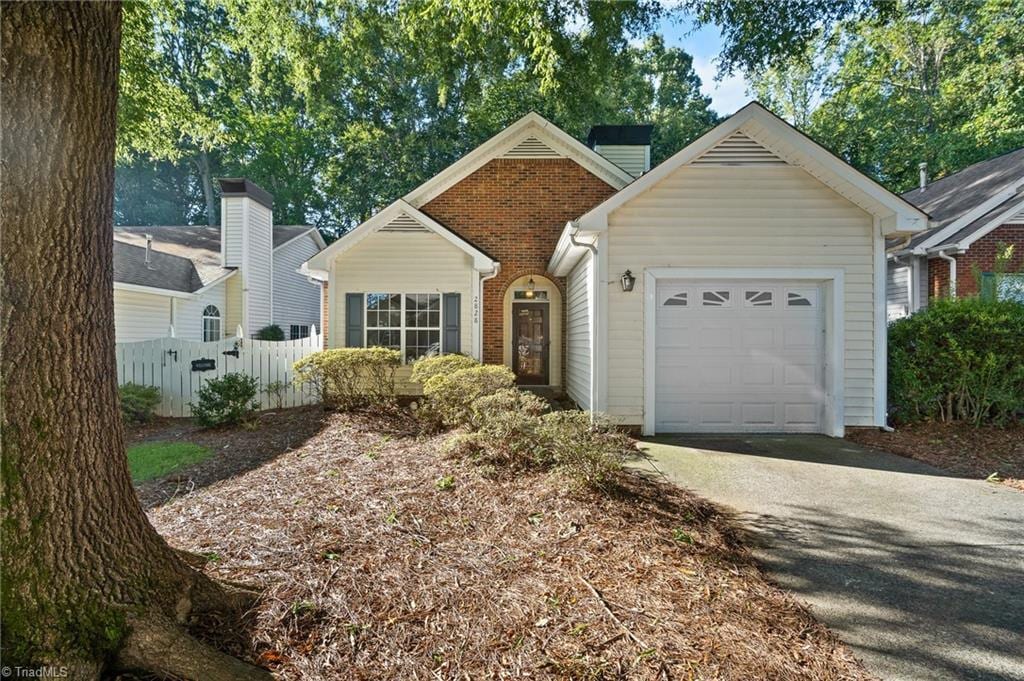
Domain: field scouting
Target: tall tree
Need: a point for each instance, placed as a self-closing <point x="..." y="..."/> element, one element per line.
<point x="88" y="584"/>
<point x="940" y="84"/>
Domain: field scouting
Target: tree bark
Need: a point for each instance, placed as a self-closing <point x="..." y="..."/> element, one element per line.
<point x="206" y="179"/>
<point x="81" y="563"/>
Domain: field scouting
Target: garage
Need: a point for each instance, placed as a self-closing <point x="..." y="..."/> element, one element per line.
<point x="739" y="355"/>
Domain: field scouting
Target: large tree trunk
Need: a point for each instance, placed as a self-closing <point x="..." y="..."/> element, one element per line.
<point x="88" y="584"/>
<point x="206" y="178"/>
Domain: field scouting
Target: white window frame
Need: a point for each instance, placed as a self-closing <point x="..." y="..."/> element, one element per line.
<point x="402" y="328"/>
<point x="219" y="319"/>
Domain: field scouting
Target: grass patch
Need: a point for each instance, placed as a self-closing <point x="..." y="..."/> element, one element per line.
<point x="150" y="460"/>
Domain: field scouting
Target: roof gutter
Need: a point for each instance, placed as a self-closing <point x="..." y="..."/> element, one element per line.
<point x="574" y="230"/>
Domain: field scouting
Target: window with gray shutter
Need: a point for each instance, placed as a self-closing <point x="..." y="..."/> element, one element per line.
<point x="452" y="310"/>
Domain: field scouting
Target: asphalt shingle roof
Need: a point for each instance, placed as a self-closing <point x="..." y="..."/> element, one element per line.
<point x="950" y="197"/>
<point x="185" y="257"/>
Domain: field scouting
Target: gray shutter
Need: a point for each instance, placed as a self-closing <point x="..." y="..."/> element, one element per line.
<point x="353" y="320"/>
<point x="450" y="341"/>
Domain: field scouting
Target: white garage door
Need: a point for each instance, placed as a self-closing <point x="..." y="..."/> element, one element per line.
<point x="739" y="356"/>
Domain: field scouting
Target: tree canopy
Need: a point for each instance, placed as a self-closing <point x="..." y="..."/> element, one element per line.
<point x="337" y="107"/>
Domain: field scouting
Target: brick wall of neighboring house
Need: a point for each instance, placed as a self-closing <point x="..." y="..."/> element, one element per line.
<point x="515" y="210"/>
<point x="981" y="256"/>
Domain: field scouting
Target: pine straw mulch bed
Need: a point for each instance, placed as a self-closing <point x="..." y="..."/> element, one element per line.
<point x="961" y="449"/>
<point x="375" y="567"/>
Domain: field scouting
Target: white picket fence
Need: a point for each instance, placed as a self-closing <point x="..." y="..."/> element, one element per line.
<point x="167" y="363"/>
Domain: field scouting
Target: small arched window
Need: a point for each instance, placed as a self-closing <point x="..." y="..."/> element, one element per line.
<point x="211" y="323"/>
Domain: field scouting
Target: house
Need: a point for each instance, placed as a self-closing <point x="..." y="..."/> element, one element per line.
<point x="201" y="283"/>
<point x="738" y="286"/>
<point x="975" y="214"/>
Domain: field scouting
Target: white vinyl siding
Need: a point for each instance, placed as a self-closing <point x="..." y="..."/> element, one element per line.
<point x="922" y="283"/>
<point x="233" y="219"/>
<point x="232" y="304"/>
<point x="897" y="290"/>
<point x="735" y="217"/>
<point x="188" y="313"/>
<point x="257" y="269"/>
<point x="577" y="341"/>
<point x="630" y="157"/>
<point x="140" y="316"/>
<point x="417" y="262"/>
<point x="296" y="300"/>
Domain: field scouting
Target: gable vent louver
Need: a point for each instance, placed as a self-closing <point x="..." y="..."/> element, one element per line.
<point x="531" y="147"/>
<point x="739" y="150"/>
<point x="403" y="223"/>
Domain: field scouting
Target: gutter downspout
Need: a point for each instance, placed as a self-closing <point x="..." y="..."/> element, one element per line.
<point x="480" y="330"/>
<point x="573" y="231"/>
<point x="952" y="272"/>
<point x="595" y="388"/>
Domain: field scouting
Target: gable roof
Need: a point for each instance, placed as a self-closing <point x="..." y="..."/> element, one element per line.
<point x="400" y="216"/>
<point x="185" y="258"/>
<point x="966" y="201"/>
<point x="532" y="125"/>
<point x="782" y="140"/>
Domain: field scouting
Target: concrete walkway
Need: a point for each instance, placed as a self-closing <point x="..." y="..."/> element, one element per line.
<point x="920" y="572"/>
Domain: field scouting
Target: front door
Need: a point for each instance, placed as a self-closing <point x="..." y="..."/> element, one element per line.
<point x="530" y="343"/>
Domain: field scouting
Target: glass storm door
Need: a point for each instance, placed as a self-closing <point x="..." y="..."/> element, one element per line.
<point x="530" y="343"/>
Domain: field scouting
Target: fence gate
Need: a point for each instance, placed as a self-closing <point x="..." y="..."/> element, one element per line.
<point x="179" y="368"/>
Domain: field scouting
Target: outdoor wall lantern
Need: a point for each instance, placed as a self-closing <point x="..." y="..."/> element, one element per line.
<point x="530" y="286"/>
<point x="627" y="281"/>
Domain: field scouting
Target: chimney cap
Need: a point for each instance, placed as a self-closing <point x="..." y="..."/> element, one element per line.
<point x="620" y="134"/>
<point x="240" y="186"/>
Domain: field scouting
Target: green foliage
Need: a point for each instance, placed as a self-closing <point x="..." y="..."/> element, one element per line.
<point x="226" y="401"/>
<point x="138" y="402"/>
<point x="272" y="332"/>
<point x="349" y="378"/>
<point x="512" y="430"/>
<point x="343" y="106"/>
<point x="958" y="360"/>
<point x="589" y="452"/>
<point x="427" y="367"/>
<point x="150" y="460"/>
<point x="449" y="397"/>
<point x="938" y="83"/>
<point x="277" y="390"/>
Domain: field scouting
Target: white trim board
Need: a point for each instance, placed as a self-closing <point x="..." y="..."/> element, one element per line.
<point x="530" y="125"/>
<point x="897" y="214"/>
<point x="834" y="322"/>
<point x="320" y="262"/>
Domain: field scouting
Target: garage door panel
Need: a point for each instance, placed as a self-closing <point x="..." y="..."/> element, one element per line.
<point x="737" y="356"/>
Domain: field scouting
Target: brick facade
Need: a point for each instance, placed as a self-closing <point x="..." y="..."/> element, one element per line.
<point x="515" y="210"/>
<point x="981" y="256"/>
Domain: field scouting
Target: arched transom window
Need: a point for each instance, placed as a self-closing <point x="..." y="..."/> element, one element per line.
<point x="211" y="323"/>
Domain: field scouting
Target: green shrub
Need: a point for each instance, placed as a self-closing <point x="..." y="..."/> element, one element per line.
<point x="226" y="401"/>
<point x="590" y="453"/>
<point x="273" y="332"/>
<point x="449" y="396"/>
<point x="277" y="391"/>
<point x="958" y="360"/>
<point x="426" y="368"/>
<point x="138" y="402"/>
<point x="509" y="430"/>
<point x="347" y="378"/>
<point x="508" y="400"/>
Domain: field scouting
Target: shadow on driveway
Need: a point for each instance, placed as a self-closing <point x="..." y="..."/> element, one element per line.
<point x="922" y="573"/>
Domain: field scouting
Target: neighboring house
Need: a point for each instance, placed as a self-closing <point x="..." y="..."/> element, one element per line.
<point x="202" y="283"/>
<point x="975" y="214"/>
<point x="738" y="286"/>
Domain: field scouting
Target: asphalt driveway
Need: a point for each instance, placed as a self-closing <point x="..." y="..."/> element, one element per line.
<point x="920" y="572"/>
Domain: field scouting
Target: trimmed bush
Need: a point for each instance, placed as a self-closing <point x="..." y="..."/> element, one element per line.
<point x="272" y="332"/>
<point x="426" y="368"/>
<point x="589" y="453"/>
<point x="508" y="430"/>
<point x="138" y="402"/>
<point x="450" y="396"/>
<point x="349" y="378"/>
<point x="226" y="401"/>
<point x="958" y="360"/>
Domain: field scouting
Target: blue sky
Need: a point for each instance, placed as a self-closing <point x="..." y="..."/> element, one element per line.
<point x="727" y="95"/>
